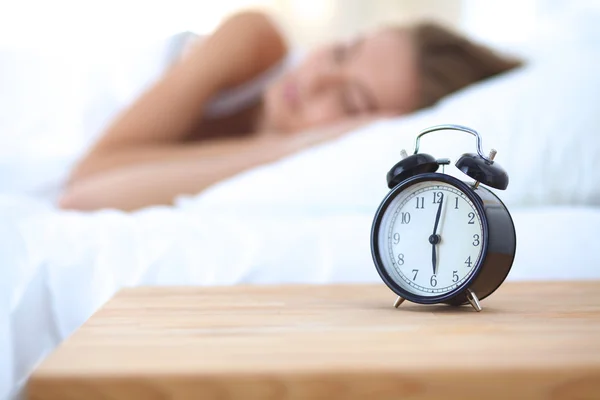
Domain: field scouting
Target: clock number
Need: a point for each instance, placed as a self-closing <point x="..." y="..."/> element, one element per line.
<point x="405" y="218"/>
<point x="472" y="218"/>
<point x="400" y="259"/>
<point x="396" y="238"/>
<point x="476" y="240"/>
<point x="456" y="204"/>
<point x="437" y="197"/>
<point x="455" y="276"/>
<point x="468" y="262"/>
<point x="416" y="272"/>
<point x="433" y="281"/>
<point x="420" y="202"/>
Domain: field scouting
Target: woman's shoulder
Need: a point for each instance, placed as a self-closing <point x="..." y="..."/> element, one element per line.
<point x="259" y="20"/>
<point x="270" y="44"/>
<point x="267" y="55"/>
<point x="242" y="96"/>
<point x="263" y="27"/>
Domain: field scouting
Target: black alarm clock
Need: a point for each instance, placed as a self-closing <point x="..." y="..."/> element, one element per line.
<point x="438" y="239"/>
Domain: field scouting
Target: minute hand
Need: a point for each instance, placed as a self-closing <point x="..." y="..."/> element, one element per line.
<point x="437" y="216"/>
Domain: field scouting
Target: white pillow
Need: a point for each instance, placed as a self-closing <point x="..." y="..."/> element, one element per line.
<point x="542" y="119"/>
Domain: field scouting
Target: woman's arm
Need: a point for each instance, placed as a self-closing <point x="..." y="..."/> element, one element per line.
<point x="241" y="48"/>
<point x="178" y="170"/>
<point x="188" y="170"/>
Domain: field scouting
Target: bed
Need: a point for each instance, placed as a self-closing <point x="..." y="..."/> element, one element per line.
<point x="297" y="220"/>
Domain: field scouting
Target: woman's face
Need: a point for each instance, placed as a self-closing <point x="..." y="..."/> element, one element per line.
<point x="374" y="74"/>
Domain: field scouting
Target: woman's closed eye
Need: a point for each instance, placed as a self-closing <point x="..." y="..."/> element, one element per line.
<point x="339" y="53"/>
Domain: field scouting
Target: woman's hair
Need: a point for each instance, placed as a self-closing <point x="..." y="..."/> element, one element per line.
<point x="447" y="62"/>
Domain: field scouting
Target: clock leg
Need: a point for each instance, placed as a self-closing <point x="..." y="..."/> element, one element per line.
<point x="472" y="297"/>
<point x="398" y="301"/>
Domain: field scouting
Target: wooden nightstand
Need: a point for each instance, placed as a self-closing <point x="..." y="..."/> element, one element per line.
<point x="531" y="341"/>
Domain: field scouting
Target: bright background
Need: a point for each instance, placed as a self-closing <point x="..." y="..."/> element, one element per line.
<point x="27" y="23"/>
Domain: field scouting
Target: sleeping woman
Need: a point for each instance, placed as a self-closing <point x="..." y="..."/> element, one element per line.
<point x="232" y="101"/>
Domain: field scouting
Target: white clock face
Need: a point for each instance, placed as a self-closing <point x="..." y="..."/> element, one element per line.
<point x="423" y="257"/>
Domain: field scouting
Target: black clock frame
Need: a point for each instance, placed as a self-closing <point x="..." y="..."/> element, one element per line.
<point x="498" y="243"/>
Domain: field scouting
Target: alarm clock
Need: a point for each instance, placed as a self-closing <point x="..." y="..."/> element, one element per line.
<point x="438" y="239"/>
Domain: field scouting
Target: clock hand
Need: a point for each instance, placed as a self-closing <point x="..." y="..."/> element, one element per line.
<point x="434" y="259"/>
<point x="442" y="219"/>
<point x="437" y="216"/>
<point x="434" y="238"/>
<point x="441" y="226"/>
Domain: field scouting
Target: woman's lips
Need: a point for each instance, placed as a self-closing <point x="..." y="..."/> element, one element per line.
<point x="290" y="93"/>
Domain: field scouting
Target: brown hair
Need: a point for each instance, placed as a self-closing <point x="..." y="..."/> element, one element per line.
<point x="447" y="62"/>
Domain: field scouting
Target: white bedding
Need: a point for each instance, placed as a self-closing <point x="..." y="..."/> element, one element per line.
<point x="304" y="219"/>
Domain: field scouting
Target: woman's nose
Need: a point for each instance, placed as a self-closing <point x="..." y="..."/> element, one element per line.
<point x="322" y="79"/>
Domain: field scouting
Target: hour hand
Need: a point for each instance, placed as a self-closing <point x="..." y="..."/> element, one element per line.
<point x="434" y="259"/>
<point x="434" y="240"/>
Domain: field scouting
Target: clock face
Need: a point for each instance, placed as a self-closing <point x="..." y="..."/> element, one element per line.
<point x="430" y="238"/>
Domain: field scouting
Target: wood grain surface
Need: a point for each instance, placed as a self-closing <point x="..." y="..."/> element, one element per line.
<point x="531" y="341"/>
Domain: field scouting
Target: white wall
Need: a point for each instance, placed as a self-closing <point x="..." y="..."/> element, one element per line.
<point x="77" y="24"/>
<point x="70" y="24"/>
<point x="67" y="22"/>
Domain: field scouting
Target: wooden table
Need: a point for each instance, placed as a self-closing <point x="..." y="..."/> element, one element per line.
<point x="531" y="341"/>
